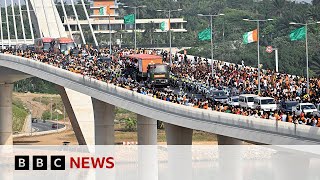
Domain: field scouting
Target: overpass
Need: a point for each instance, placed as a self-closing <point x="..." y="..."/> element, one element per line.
<point x="180" y="121"/>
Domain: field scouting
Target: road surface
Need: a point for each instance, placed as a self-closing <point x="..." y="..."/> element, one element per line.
<point x="47" y="126"/>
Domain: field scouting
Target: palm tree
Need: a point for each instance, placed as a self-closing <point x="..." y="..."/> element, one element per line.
<point x="279" y="6"/>
<point x="150" y="28"/>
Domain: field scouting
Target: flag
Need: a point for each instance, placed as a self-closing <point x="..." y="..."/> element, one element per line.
<point x="108" y="10"/>
<point x="250" y="37"/>
<point x="129" y="19"/>
<point x="102" y="10"/>
<point x="298" y="34"/>
<point x="165" y="26"/>
<point x="205" y="34"/>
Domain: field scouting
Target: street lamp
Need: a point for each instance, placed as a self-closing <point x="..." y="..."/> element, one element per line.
<point x="211" y="26"/>
<point x="307" y="54"/>
<point x="170" y="37"/>
<point x="135" y="23"/>
<point x="258" y="46"/>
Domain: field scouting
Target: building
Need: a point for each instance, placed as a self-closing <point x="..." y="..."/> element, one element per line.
<point x="101" y="23"/>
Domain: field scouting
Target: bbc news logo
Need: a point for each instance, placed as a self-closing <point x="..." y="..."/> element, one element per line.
<point x="59" y="162"/>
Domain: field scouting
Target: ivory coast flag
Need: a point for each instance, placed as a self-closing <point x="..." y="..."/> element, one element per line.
<point x="250" y="37"/>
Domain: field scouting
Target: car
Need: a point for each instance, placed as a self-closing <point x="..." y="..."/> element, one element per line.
<point x="318" y="107"/>
<point x="286" y="106"/>
<point x="217" y="96"/>
<point x="305" y="107"/>
<point x="54" y="126"/>
<point x="247" y="100"/>
<point x="233" y="101"/>
<point x="34" y="120"/>
<point x="265" y="104"/>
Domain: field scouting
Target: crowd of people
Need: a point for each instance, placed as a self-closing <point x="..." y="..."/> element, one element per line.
<point x="121" y="71"/>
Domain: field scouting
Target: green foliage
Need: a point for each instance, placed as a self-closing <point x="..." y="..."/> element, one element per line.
<point x="46" y="115"/>
<point x="35" y="85"/>
<point x="19" y="115"/>
<point x="130" y="124"/>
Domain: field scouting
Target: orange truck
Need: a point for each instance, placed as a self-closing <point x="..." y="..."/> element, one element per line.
<point x="152" y="69"/>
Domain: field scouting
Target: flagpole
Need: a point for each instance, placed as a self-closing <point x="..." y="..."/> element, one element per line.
<point x="307" y="58"/>
<point x="135" y="24"/>
<point x="170" y="38"/>
<point x="211" y="31"/>
<point x="307" y="54"/>
<point x="211" y="22"/>
<point x="170" y="54"/>
<point x="135" y="30"/>
<point x="110" y="36"/>
<point x="258" y="45"/>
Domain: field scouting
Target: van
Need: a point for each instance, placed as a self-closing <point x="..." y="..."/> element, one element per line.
<point x="265" y="104"/>
<point x="246" y="100"/>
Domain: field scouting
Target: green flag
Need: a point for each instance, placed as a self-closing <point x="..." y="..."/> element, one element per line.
<point x="298" y="34"/>
<point x="101" y="11"/>
<point x="205" y="34"/>
<point x="129" y="19"/>
<point x="164" y="26"/>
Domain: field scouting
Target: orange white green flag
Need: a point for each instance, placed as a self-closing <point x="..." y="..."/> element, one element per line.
<point x="250" y="37"/>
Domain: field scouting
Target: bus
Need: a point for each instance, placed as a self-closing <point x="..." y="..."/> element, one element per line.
<point x="63" y="45"/>
<point x="43" y="45"/>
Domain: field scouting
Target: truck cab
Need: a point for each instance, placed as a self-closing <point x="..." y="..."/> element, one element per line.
<point x="158" y="74"/>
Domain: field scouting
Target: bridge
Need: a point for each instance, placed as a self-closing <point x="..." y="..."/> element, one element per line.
<point x="180" y="121"/>
<point x="90" y="104"/>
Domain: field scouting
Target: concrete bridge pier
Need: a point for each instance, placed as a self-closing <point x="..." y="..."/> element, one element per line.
<point x="230" y="154"/>
<point x="147" y="130"/>
<point x="103" y="122"/>
<point x="147" y="135"/>
<point x="6" y="114"/>
<point x="177" y="135"/>
<point x="179" y="157"/>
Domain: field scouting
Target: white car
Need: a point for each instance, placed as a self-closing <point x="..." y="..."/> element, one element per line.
<point x="265" y="104"/>
<point x="246" y="100"/>
<point x="233" y="101"/>
<point x="305" y="107"/>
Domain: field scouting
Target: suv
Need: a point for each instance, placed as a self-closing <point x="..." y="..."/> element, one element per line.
<point x="287" y="106"/>
<point x="217" y="96"/>
<point x="305" y="107"/>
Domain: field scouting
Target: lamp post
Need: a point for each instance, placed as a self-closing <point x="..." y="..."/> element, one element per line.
<point x="170" y="35"/>
<point x="258" y="46"/>
<point x="211" y="26"/>
<point x="307" y="54"/>
<point x="135" y="23"/>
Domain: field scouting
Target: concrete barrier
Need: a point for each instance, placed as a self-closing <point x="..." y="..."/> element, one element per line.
<point x="40" y="133"/>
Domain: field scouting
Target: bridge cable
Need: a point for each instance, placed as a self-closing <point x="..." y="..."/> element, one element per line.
<point x="29" y="18"/>
<point x="77" y="19"/>
<point x="22" y="23"/>
<point x="66" y="18"/>
<point x="7" y="19"/>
